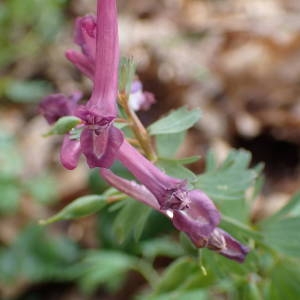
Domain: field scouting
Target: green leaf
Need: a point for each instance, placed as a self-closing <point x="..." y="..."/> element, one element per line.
<point x="281" y="231"/>
<point x="9" y="266"/>
<point x="105" y="267"/>
<point x="229" y="182"/>
<point x="291" y="209"/>
<point x="125" y="223"/>
<point x="168" y="144"/>
<point x="10" y="157"/>
<point x="176" y="169"/>
<point x="64" y="125"/>
<point x="182" y="295"/>
<point x="176" y="275"/>
<point x="27" y="91"/>
<point x="177" y="121"/>
<point x="38" y="256"/>
<point x="222" y="267"/>
<point x="10" y="196"/>
<point x="81" y="207"/>
<point x="43" y="188"/>
<point x="285" y="281"/>
<point x="163" y="246"/>
<point x="251" y="291"/>
<point x="283" y="235"/>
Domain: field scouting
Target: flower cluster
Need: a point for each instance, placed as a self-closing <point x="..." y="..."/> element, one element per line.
<point x="190" y="211"/>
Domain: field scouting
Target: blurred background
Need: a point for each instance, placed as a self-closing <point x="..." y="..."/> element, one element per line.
<point x="238" y="60"/>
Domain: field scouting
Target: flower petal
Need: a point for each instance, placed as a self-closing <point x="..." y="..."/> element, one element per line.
<point x="70" y="153"/>
<point x="130" y="188"/>
<point x="226" y="245"/>
<point x="100" y="148"/>
<point x="105" y="87"/>
<point x="85" y="36"/>
<point x="157" y="182"/>
<point x="199" y="219"/>
<point x="138" y="99"/>
<point x="81" y="62"/>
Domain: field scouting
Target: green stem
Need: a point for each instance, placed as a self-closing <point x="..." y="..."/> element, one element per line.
<point x="138" y="128"/>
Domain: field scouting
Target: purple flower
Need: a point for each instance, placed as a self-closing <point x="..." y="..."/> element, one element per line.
<point x="198" y="220"/>
<point x="170" y="192"/>
<point x="99" y="140"/>
<point x="56" y="106"/>
<point x="191" y="211"/>
<point x="226" y="245"/>
<point x="85" y="37"/>
<point x="138" y="99"/>
<point x="70" y="152"/>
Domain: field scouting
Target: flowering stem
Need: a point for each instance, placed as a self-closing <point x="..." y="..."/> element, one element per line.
<point x="138" y="128"/>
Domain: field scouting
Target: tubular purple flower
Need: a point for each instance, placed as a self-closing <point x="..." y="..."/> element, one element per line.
<point x="199" y="219"/>
<point x="192" y="211"/>
<point x="99" y="60"/>
<point x="130" y="188"/>
<point x="81" y="62"/>
<point x="194" y="220"/>
<point x="85" y="37"/>
<point x="99" y="140"/>
<point x="105" y="87"/>
<point x="170" y="192"/>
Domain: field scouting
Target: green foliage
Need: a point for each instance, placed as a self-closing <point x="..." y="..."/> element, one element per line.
<point x="26" y="91"/>
<point x="176" y="169"/>
<point x="36" y="256"/>
<point x="81" y="207"/>
<point x="271" y="270"/>
<point x="125" y="223"/>
<point x="64" y="125"/>
<point x="10" y="196"/>
<point x="284" y="281"/>
<point x="105" y="267"/>
<point x="23" y="34"/>
<point x="182" y="295"/>
<point x="176" y="275"/>
<point x="42" y="188"/>
<point x="161" y="246"/>
<point x="228" y="182"/>
<point x="177" y="121"/>
<point x="280" y="231"/>
<point x="168" y="144"/>
<point x="10" y="157"/>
